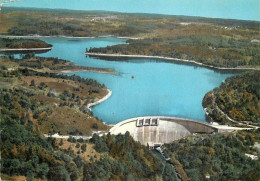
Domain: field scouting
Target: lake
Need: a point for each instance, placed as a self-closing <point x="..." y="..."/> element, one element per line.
<point x="142" y="87"/>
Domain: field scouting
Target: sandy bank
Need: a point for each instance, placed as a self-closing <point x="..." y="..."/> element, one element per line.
<point x="170" y="58"/>
<point x="84" y="70"/>
<point x="100" y="100"/>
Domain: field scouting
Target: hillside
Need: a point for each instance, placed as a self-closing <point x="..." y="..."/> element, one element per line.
<point x="52" y="102"/>
<point x="217" y="156"/>
<point x="33" y="103"/>
<point x="237" y="98"/>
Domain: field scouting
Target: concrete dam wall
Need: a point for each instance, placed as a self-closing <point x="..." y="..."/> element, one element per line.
<point x="156" y="130"/>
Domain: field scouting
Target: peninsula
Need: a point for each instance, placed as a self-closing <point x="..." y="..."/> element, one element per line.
<point x="44" y="64"/>
<point x="15" y="45"/>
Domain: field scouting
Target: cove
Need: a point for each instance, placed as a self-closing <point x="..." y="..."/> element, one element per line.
<point x="142" y="87"/>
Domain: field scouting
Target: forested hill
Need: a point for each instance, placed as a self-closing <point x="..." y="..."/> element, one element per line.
<point x="238" y="98"/>
<point x="212" y="48"/>
<point x="16" y="43"/>
<point x="217" y="156"/>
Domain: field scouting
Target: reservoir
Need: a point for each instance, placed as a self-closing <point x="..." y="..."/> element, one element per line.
<point x="141" y="87"/>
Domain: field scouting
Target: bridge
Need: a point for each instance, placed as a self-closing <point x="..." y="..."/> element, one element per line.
<point x="157" y="130"/>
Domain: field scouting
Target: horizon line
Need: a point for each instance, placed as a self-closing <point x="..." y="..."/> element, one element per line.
<point x="122" y="12"/>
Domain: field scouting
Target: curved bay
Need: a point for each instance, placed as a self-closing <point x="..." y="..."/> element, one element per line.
<point x="142" y="87"/>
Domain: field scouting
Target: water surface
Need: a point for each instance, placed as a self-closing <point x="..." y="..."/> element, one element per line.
<point x="142" y="87"/>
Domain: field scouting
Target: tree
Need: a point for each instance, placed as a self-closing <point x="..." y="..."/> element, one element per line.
<point x="32" y="83"/>
<point x="169" y="173"/>
<point x="61" y="142"/>
<point x="42" y="85"/>
<point x="83" y="147"/>
<point x="95" y="126"/>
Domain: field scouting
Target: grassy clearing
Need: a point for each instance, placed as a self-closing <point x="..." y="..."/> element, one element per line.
<point x="60" y="85"/>
<point x="68" y="121"/>
<point x="65" y="120"/>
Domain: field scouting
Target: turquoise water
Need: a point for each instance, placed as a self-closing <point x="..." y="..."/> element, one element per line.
<point x="158" y="88"/>
<point x="229" y="9"/>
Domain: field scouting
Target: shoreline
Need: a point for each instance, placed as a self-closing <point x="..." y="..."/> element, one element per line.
<point x="89" y="105"/>
<point x="77" y="37"/>
<point x="169" y="58"/>
<point x="84" y="70"/>
<point x="23" y="49"/>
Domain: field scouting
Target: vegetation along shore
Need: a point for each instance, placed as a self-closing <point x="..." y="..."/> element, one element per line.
<point x="43" y="64"/>
<point x="170" y="59"/>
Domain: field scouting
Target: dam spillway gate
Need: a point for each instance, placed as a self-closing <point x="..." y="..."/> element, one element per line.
<point x="157" y="130"/>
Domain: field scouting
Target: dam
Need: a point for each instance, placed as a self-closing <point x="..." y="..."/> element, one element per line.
<point x="157" y="130"/>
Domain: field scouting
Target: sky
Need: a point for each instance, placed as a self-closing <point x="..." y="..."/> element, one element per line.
<point x="228" y="9"/>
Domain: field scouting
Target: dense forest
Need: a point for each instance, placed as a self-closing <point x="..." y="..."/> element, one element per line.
<point x="217" y="156"/>
<point x="10" y="43"/>
<point x="238" y="98"/>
